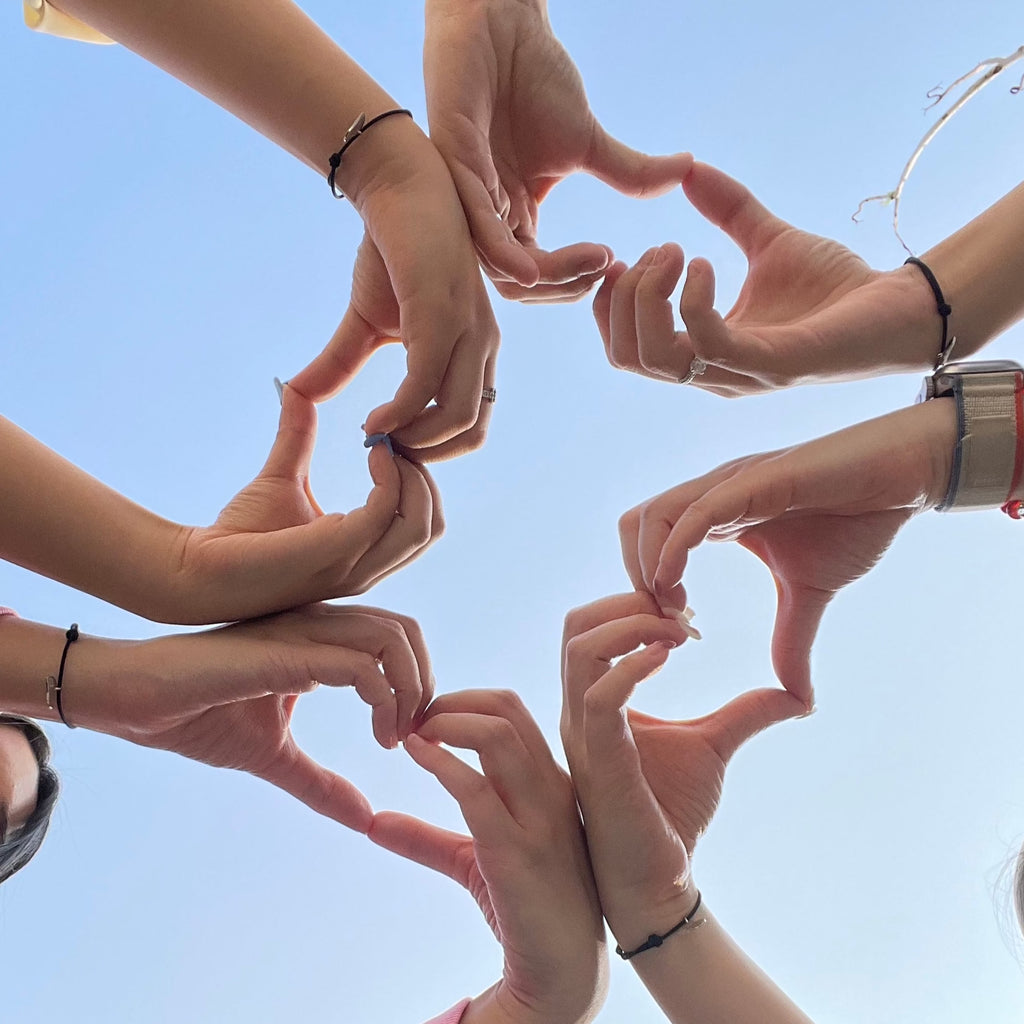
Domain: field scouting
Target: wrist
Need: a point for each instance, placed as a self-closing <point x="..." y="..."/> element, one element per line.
<point x="386" y="156"/>
<point x="634" y="921"/>
<point x="499" y="1005"/>
<point x="32" y="652"/>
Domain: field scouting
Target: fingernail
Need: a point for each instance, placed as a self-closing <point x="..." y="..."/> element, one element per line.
<point x="592" y="266"/>
<point x="811" y="709"/>
<point x="659" y="256"/>
<point x="375" y="439"/>
<point x="280" y="389"/>
<point x="683" y="618"/>
<point x="667" y="644"/>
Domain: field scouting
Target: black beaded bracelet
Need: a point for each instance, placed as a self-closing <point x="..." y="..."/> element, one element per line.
<point x="944" y="309"/>
<point x="55" y="686"/>
<point x="654" y="941"/>
<point x="355" y="129"/>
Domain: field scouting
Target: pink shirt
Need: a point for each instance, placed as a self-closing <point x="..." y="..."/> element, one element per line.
<point x="452" y="1016"/>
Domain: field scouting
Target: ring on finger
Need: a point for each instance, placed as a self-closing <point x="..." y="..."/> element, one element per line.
<point x="697" y="367"/>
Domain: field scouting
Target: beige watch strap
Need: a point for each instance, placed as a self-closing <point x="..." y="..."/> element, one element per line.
<point x="990" y="451"/>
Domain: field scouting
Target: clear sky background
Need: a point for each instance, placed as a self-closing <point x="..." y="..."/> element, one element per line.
<point x="161" y="263"/>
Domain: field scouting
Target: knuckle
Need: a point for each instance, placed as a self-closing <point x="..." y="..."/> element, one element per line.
<point x="501" y="733"/>
<point x="576" y="649"/>
<point x="629" y="522"/>
<point x="575" y="623"/>
<point x="509" y="703"/>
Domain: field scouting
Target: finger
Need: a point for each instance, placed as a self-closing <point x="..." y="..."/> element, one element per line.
<point x="375" y="690"/>
<point x="629" y="541"/>
<point x="397" y="644"/>
<point x="707" y="333"/>
<point x="457" y="400"/>
<point x="605" y="726"/>
<point x="322" y="790"/>
<point x="350" y="346"/>
<point x="296" y="437"/>
<point x="658" y="344"/>
<point x="731" y="207"/>
<point x="437" y="526"/>
<point x="624" y="351"/>
<point x="607" y="609"/>
<point x="419" y="841"/>
<point x="418" y="645"/>
<point x="505" y="760"/>
<point x="408" y="535"/>
<point x="747" y="715"/>
<point x="485" y="814"/>
<point x="633" y="173"/>
<point x="332" y="545"/>
<point x="568" y="264"/>
<point x="603" y="305"/>
<point x="469" y="440"/>
<point x="720" y="507"/>
<point x="588" y="656"/>
<point x="506" y="704"/>
<point x="549" y="294"/>
<point x="797" y="620"/>
<point x="491" y="233"/>
<point x="395" y="641"/>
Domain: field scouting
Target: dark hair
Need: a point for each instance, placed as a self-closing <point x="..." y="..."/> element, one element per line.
<point x="20" y="848"/>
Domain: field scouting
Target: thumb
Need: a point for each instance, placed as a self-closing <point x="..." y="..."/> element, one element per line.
<point x="747" y="715"/>
<point x="419" y="841"/>
<point x="350" y="346"/>
<point x="797" y="619"/>
<point x="731" y="207"/>
<point x="296" y="436"/>
<point x="631" y="172"/>
<point x="325" y="792"/>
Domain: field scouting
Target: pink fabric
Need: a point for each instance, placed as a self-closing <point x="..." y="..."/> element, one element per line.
<point x="452" y="1016"/>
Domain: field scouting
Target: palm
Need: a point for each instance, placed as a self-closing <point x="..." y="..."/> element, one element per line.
<point x="684" y="772"/>
<point x="247" y="735"/>
<point x="542" y="128"/>
<point x="802" y="296"/>
<point x="533" y="110"/>
<point x="795" y="276"/>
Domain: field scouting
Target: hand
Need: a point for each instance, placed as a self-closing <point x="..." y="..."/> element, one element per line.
<point x="510" y="116"/>
<point x="416" y="280"/>
<point x="225" y="697"/>
<point x="809" y="311"/>
<point x="648" y="788"/>
<point x="273" y="547"/>
<point x="526" y="863"/>
<point x="819" y="515"/>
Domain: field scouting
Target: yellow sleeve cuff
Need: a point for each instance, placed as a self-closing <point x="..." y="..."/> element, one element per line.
<point x="41" y="17"/>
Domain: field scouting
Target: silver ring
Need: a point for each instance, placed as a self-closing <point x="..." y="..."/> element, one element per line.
<point x="697" y="367"/>
<point x="489" y="394"/>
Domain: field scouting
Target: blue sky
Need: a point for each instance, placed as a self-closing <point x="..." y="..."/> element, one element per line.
<point x="162" y="263"/>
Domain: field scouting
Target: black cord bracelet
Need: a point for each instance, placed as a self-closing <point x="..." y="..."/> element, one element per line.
<point x="944" y="309"/>
<point x="358" y="126"/>
<point x="654" y="941"/>
<point x="55" y="687"/>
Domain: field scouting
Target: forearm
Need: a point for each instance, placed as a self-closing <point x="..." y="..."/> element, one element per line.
<point x="700" y="976"/>
<point x="269" y="65"/>
<point x="980" y="269"/>
<point x="60" y="522"/>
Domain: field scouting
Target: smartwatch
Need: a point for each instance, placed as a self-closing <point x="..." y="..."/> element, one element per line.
<point x="989" y="456"/>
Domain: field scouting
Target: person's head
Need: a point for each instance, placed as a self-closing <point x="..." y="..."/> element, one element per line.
<point x="28" y="791"/>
